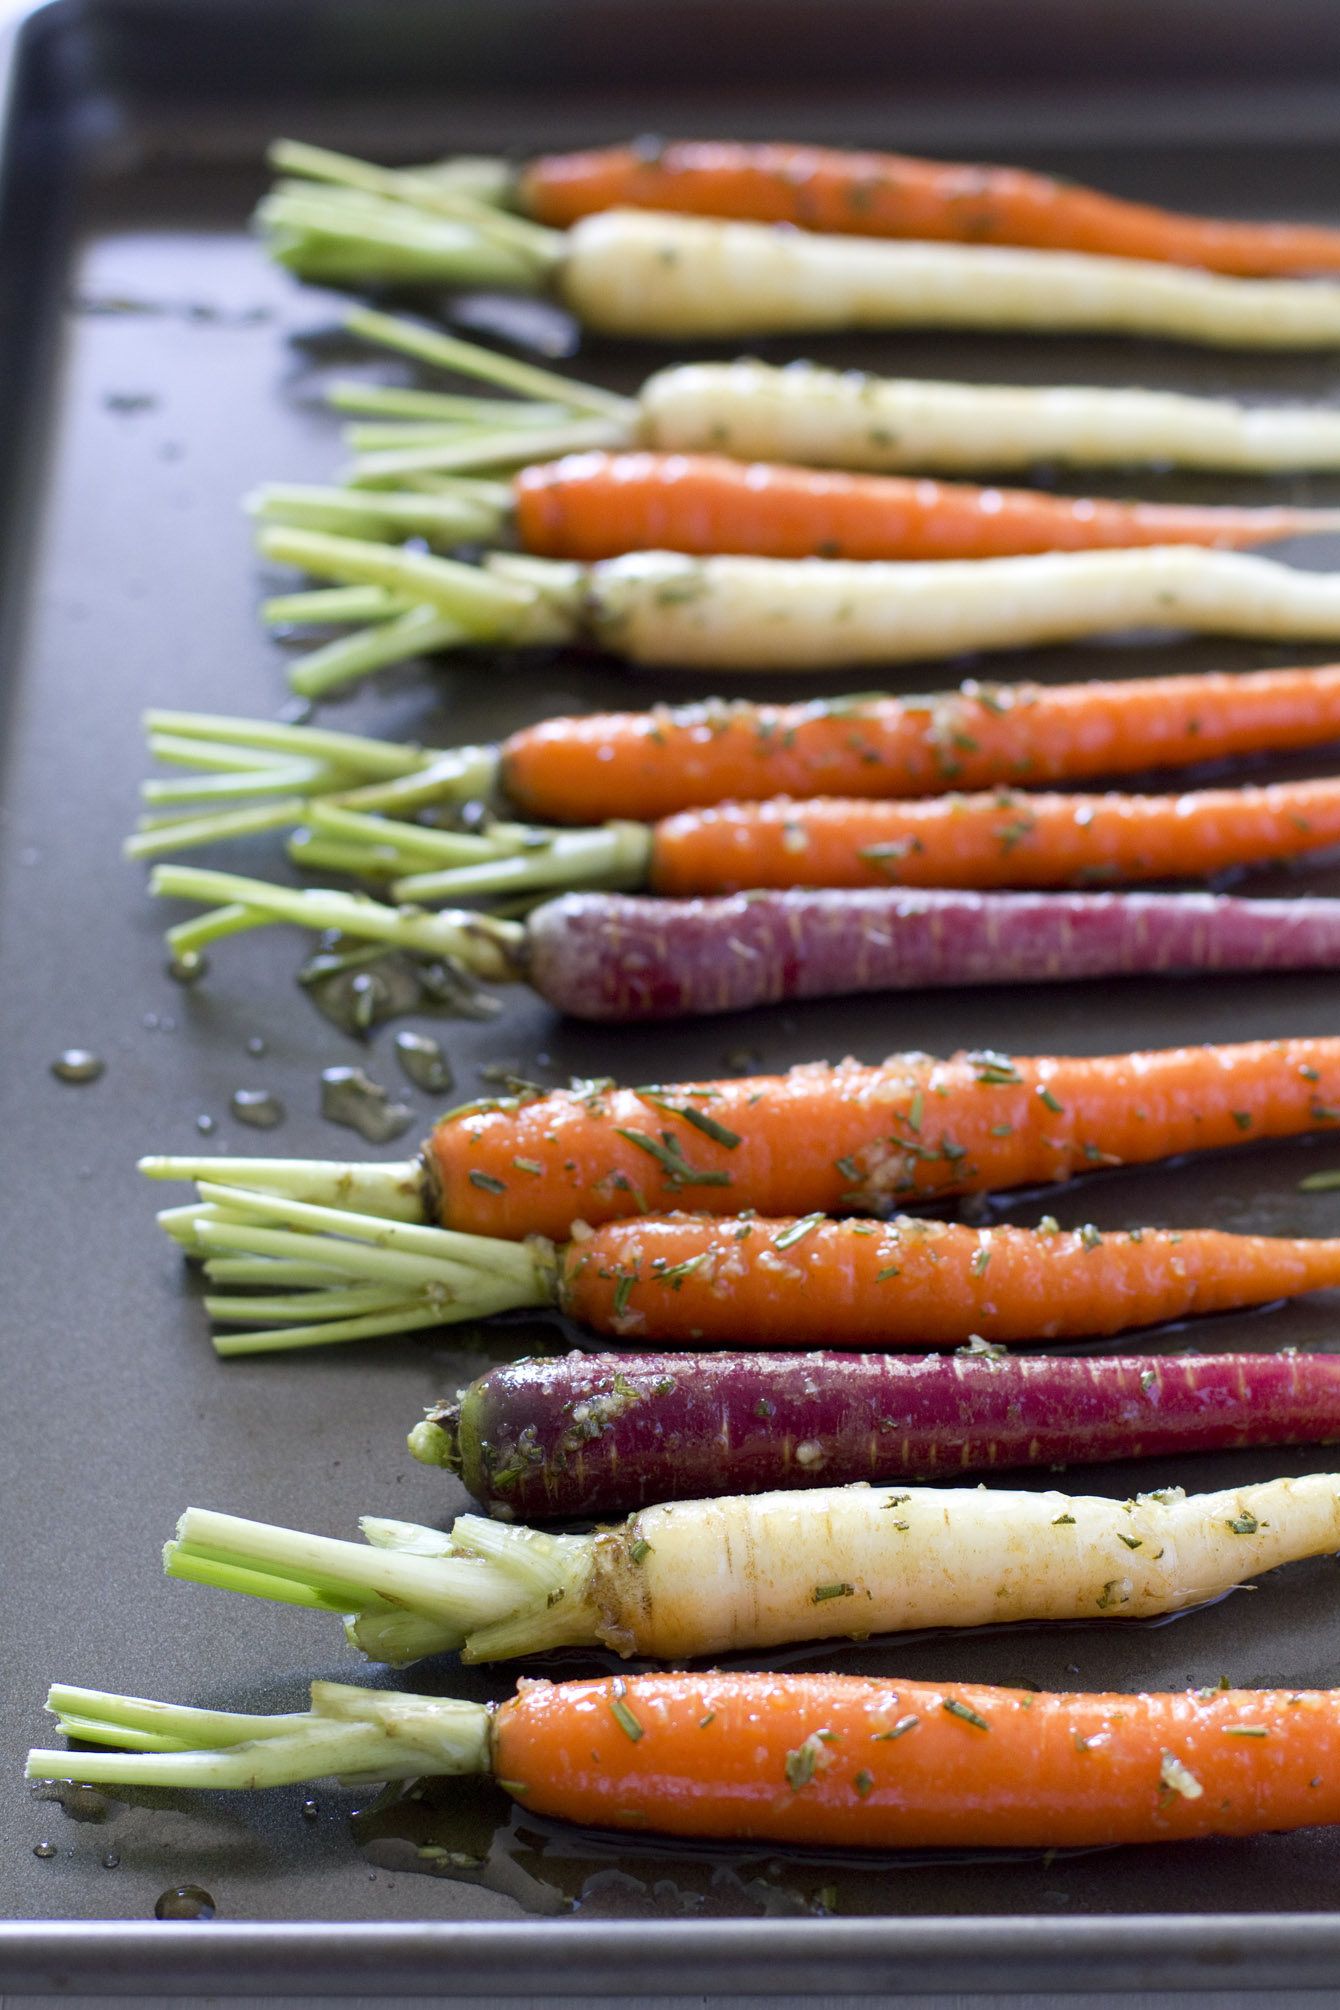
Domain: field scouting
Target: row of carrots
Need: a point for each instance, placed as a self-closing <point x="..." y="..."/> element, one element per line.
<point x="789" y="1178"/>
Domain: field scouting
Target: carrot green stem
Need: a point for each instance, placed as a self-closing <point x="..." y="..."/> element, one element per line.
<point x="468" y="359"/>
<point x="391" y="401"/>
<point x="394" y="1192"/>
<point x="342" y="235"/>
<point x="445" y="519"/>
<point x="486" y="1587"/>
<point x="165" y="835"/>
<point x="332" y="603"/>
<point x="442" y="194"/>
<point x="490" y="948"/>
<point x="351" y="754"/>
<point x="376" y="1734"/>
<point x="393" y="1276"/>
<point x="498" y="447"/>
<point x="488" y="606"/>
<point x="616" y="856"/>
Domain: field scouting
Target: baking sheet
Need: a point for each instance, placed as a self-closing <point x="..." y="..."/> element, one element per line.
<point x="160" y="368"/>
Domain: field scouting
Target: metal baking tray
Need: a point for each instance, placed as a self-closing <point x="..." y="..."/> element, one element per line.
<point x="153" y="368"/>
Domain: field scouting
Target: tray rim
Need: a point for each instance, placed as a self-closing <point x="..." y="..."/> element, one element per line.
<point x="982" y="1954"/>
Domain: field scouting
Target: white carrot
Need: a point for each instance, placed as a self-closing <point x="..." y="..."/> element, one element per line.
<point x="737" y="613"/>
<point x="703" y="1577"/>
<point x="641" y="273"/>
<point x="832" y="418"/>
<point x="845" y="419"/>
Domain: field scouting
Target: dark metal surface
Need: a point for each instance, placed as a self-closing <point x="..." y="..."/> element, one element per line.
<point x="150" y="376"/>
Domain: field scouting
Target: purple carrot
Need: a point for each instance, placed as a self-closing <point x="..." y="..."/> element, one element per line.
<point x="616" y="956"/>
<point x="604" y="1433"/>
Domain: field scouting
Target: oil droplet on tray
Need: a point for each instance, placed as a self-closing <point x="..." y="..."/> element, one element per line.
<point x="349" y="1097"/>
<point x="184" y="1901"/>
<point x="310" y="1810"/>
<point x="255" y="1045"/>
<point x="257" y="1107"/>
<point x="111" y="1860"/>
<point x="76" y="1064"/>
<point x="204" y="1124"/>
<point x="423" y="1060"/>
<point x="44" y="1849"/>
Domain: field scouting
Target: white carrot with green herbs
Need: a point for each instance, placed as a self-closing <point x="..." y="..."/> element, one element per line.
<point x="707" y="1577"/>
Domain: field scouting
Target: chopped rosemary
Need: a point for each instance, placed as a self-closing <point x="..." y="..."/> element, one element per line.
<point x="1242" y="1118"/>
<point x="994" y="1070"/>
<point x="980" y="1259"/>
<point x="1245" y="1524"/>
<point x="529" y="1166"/>
<point x="623" y="1716"/>
<point x="895" y="1730"/>
<point x="1046" y="1097"/>
<point x="797" y="1231"/>
<point x="823" y="1591"/>
<point x="914" y="1111"/>
<point x="637" y="1550"/>
<point x="848" y="1168"/>
<point x="699" y="1119"/>
<point x="710" y="1718"/>
<point x="1131" y="1541"/>
<point x="622" y="1292"/>
<point x="1063" y="1521"/>
<point x="486" y="1180"/>
<point x="1246" y="1731"/>
<point x="800" y="1764"/>
<point x="671" y="1160"/>
<point x="675" y="1274"/>
<point x="863" y="1783"/>
<point x="965" y="1711"/>
<point x="1090" y="1237"/>
<point x="890" y="1270"/>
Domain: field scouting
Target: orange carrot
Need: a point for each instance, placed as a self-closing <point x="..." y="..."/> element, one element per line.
<point x="596" y="505"/>
<point x="999" y="839"/>
<point x="841" y="1760"/>
<point x="650" y="764"/>
<point x="897" y="195"/>
<point x="853" y="1139"/>
<point x="679" y="1279"/>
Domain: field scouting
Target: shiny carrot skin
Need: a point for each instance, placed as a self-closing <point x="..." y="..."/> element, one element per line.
<point x="898" y="195"/>
<point x="601" y="1434"/>
<point x="1002" y="838"/>
<point x="860" y="1140"/>
<point x="681" y="1279"/>
<point x="650" y="764"/>
<point x="841" y="1760"/>
<point x="597" y="505"/>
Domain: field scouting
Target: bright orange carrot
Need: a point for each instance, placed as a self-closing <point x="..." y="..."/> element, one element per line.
<point x="841" y="1760"/>
<point x="650" y="764"/>
<point x="898" y="195"/>
<point x="1001" y="839"/>
<point x="810" y="1759"/>
<point x="679" y="1279"/>
<point x="853" y="1139"/>
<point x="596" y="505"/>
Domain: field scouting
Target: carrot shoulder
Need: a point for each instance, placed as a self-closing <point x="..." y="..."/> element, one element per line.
<point x="597" y="505"/>
<point x="860" y="1140"/>
<point x="650" y="764"/>
<point x="986" y="840"/>
<point x="678" y="1278"/>
<point x="841" y="1760"/>
<point x="898" y="195"/>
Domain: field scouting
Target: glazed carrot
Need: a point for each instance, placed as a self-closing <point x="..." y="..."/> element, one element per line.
<point x="755" y="1570"/>
<point x="686" y="1279"/>
<point x="898" y="195"/>
<point x="840" y="1760"/>
<point x="852" y="1139"/>
<point x="650" y="764"/>
<point x="1000" y="839"/>
<point x="680" y="1279"/>
<point x="598" y="505"/>
<point x="829" y="1140"/>
<point x="593" y="766"/>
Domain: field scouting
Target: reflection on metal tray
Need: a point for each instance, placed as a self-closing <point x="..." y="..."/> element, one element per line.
<point x="154" y="369"/>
